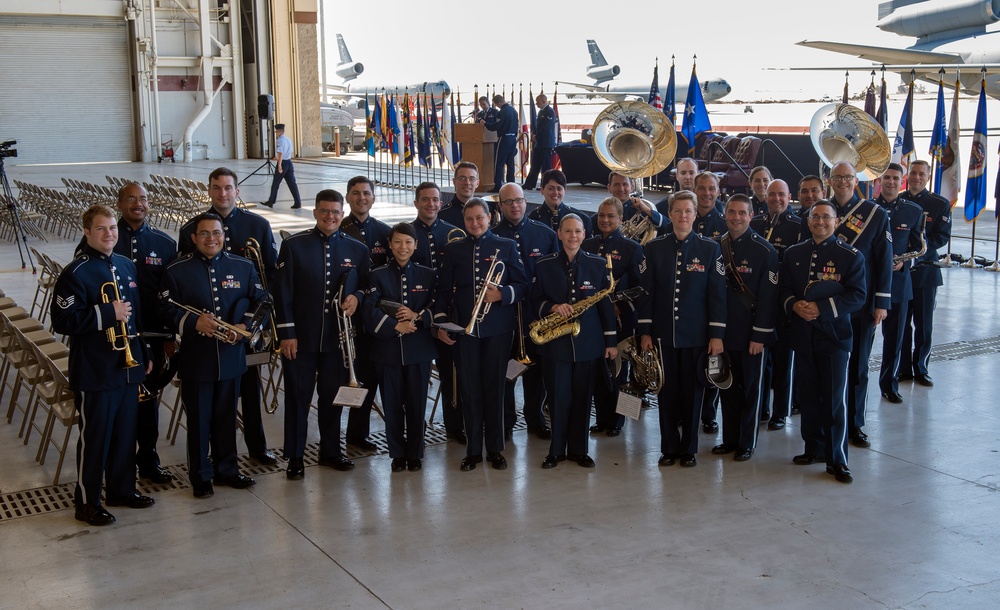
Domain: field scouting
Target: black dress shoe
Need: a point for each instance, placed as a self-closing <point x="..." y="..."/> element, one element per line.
<point x="508" y="434"/>
<point x="743" y="455"/>
<point x="924" y="380"/>
<point x="296" y="206"/>
<point x="204" y="489"/>
<point x="893" y="397"/>
<point x="458" y="437"/>
<point x="666" y="460"/>
<point x="859" y="438"/>
<point x="266" y="204"/>
<point x="778" y="423"/>
<point x="94" y="515"/>
<point x="597" y="429"/>
<point x="337" y="463"/>
<point x="765" y="415"/>
<point x="296" y="470"/>
<point x="722" y="449"/>
<point x="805" y="459"/>
<point x="414" y="465"/>
<point x="584" y="461"/>
<point x="398" y="464"/>
<point x="688" y="460"/>
<point x="158" y="476"/>
<point x="544" y="433"/>
<point x="551" y="461"/>
<point x="905" y="377"/>
<point x="841" y="472"/>
<point x="264" y="459"/>
<point x="497" y="461"/>
<point x="469" y="462"/>
<point x="237" y="481"/>
<point x="796" y="409"/>
<point x="614" y="431"/>
<point x="710" y="426"/>
<point x="363" y="444"/>
<point x="136" y="501"/>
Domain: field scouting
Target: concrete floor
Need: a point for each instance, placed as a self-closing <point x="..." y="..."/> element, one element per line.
<point x="918" y="528"/>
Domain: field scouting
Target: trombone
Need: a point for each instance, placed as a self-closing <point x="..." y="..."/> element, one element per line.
<point x="347" y="334"/>
<point x="522" y="353"/>
<point x="493" y="276"/>
<point x="118" y="335"/>
<point x="225" y="332"/>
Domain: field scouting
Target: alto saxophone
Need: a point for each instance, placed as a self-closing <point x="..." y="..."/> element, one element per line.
<point x="555" y="325"/>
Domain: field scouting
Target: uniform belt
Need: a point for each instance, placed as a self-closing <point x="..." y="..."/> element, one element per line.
<point x="510" y="134"/>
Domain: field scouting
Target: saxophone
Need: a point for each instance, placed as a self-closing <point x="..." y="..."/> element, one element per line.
<point x="554" y="325"/>
<point x="908" y="256"/>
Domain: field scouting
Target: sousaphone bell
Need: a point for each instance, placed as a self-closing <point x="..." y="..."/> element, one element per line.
<point x="634" y="139"/>
<point x="845" y="133"/>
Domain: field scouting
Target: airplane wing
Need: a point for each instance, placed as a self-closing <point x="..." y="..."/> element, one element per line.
<point x="885" y="55"/>
<point x="591" y="88"/>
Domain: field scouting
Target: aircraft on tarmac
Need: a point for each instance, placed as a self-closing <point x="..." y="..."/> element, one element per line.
<point x="951" y="34"/>
<point x="711" y="89"/>
<point x="348" y="69"/>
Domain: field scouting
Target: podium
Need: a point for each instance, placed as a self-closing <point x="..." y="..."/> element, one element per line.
<point x="479" y="146"/>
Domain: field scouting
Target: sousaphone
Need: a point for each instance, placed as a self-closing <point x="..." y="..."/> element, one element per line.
<point x="634" y="139"/>
<point x="841" y="132"/>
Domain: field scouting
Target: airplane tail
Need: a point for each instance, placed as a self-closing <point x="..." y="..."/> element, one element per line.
<point x="596" y="57"/>
<point x="345" y="55"/>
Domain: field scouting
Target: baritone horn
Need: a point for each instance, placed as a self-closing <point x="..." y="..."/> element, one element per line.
<point x="845" y="133"/>
<point x="252" y="251"/>
<point x="118" y="335"/>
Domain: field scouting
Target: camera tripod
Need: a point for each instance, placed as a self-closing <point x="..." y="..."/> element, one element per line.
<point x="15" y="214"/>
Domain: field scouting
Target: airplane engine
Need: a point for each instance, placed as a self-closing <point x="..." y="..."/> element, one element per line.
<point x="350" y="71"/>
<point x="923" y="19"/>
<point x="601" y="74"/>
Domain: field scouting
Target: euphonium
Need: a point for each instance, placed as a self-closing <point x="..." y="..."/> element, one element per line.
<point x="647" y="371"/>
<point x="252" y="251"/>
<point x="493" y="276"/>
<point x="555" y="325"/>
<point x="118" y="331"/>
<point x="640" y="227"/>
<point x="227" y="333"/>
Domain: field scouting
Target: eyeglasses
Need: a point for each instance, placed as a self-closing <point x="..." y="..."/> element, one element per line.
<point x="134" y="199"/>
<point x="326" y="212"/>
<point x="512" y="201"/>
<point x="824" y="217"/>
<point x="466" y="179"/>
<point x="207" y="234"/>
<point x="841" y="178"/>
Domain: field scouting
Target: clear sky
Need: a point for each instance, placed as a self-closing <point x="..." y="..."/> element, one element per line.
<point x="517" y="41"/>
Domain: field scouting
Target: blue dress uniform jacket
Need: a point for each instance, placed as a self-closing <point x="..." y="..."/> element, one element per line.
<point x="311" y="267"/>
<point x="503" y="120"/>
<point x="77" y="311"/>
<point x="711" y="225"/>
<point x="756" y="262"/>
<point x="937" y="228"/>
<point x="150" y="250"/>
<point x="626" y="261"/>
<point x="227" y="286"/>
<point x="239" y="226"/>
<point x="466" y="263"/>
<point x="688" y="279"/>
<point x="906" y="221"/>
<point x="534" y="240"/>
<point x="551" y="219"/>
<point x="453" y="213"/>
<point x="431" y="240"/>
<point x="780" y="230"/>
<point x="874" y="242"/>
<point x="557" y="281"/>
<point x="413" y="286"/>
<point x="372" y="233"/>
<point x="545" y="128"/>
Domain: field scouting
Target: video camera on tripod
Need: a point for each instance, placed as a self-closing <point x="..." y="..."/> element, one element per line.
<point x="6" y="150"/>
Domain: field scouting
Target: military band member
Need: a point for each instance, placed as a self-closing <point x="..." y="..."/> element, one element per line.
<point x="712" y="224"/>
<point x="684" y="175"/>
<point x="402" y="345"/>
<point x="319" y="270"/>
<point x="466" y="181"/>
<point x="685" y="277"/>
<point x="810" y="191"/>
<point x="822" y="283"/>
<point x="570" y="362"/>
<point x="240" y="225"/>
<point x="760" y="177"/>
<point x="226" y="288"/>
<point x="150" y="250"/>
<point x="781" y="228"/>
<point x="553" y="209"/>
<point x="926" y="276"/>
<point x="906" y="220"/>
<point x="433" y="235"/>
<point x="482" y="353"/>
<point x="534" y="240"/>
<point x="504" y="122"/>
<point x="105" y="387"/>
<point x="374" y="233"/>
<point x="864" y="225"/>
<point x="751" y="298"/>
<point x="621" y="188"/>
<point x="626" y="261"/>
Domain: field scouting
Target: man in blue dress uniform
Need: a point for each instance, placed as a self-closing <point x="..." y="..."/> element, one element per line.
<point x="466" y="181"/>
<point x="504" y="123"/>
<point x="543" y="141"/>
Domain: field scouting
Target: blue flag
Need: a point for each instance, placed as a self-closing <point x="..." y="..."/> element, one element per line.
<point x="975" y="186"/>
<point x="882" y="115"/>
<point x="371" y="124"/>
<point x="670" y="103"/>
<point x="939" y="135"/>
<point x="902" y="146"/>
<point x="695" y="114"/>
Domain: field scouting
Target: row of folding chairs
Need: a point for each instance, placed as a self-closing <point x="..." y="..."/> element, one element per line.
<point x="90" y="192"/>
<point x="17" y="222"/>
<point x="58" y="211"/>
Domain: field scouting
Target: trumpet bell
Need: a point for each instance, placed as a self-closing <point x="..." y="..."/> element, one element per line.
<point x="845" y="133"/>
<point x="634" y="139"/>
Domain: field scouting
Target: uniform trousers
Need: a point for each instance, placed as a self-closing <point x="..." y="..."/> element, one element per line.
<point x="892" y="345"/>
<point x="606" y="388"/>
<point x="451" y="397"/>
<point x="147" y="430"/>
<point x="680" y="401"/>
<point x="359" y="419"/>
<point x="572" y="386"/>
<point x="857" y="380"/>
<point x="541" y="162"/>
<point x="482" y="369"/>
<point x="404" y="402"/>
<point x="921" y="313"/>
<point x="709" y="405"/>
<point x="822" y="379"/>
<point x="105" y="451"/>
<point x="288" y="175"/>
<point x="253" y="423"/>
<point x="301" y="376"/>
<point x="506" y="150"/>
<point x="741" y="402"/>
<point x="778" y="363"/>
<point x="533" y="386"/>
<point x="211" y="413"/>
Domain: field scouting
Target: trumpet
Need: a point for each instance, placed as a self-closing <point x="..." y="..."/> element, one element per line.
<point x="252" y="251"/>
<point x="347" y="334"/>
<point x="225" y="332"/>
<point x="118" y="332"/>
<point x="493" y="276"/>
